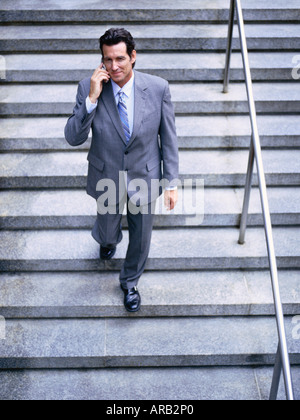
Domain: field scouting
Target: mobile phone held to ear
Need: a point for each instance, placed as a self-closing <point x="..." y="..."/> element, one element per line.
<point x="104" y="68"/>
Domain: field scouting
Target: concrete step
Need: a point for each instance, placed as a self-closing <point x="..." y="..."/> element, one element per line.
<point x="164" y="294"/>
<point x="192" y="249"/>
<point x="63" y="209"/>
<point x="201" y="99"/>
<point x="103" y="343"/>
<point x="173" y="67"/>
<point x="37" y="11"/>
<point x="216" y="168"/>
<point x="168" y="384"/>
<point x="207" y="301"/>
<point x="194" y="132"/>
<point x="159" y="37"/>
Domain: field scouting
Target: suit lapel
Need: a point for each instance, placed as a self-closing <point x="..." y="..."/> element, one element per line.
<point x="140" y="94"/>
<point x="108" y="99"/>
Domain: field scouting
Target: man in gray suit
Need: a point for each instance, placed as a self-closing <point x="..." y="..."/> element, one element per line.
<point x="134" y="150"/>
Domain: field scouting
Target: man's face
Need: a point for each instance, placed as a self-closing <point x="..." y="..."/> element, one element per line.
<point x="118" y="63"/>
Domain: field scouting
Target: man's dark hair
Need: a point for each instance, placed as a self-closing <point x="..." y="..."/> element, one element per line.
<point x="116" y="35"/>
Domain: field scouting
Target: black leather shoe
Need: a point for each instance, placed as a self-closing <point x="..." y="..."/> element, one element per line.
<point x="132" y="299"/>
<point x="107" y="253"/>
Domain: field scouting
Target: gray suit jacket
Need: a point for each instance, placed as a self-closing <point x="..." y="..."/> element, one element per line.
<point x="152" y="152"/>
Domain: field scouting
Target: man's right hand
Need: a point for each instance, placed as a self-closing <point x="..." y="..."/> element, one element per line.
<point x="100" y="75"/>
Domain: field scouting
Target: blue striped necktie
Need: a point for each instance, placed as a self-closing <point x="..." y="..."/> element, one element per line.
<point x="124" y="116"/>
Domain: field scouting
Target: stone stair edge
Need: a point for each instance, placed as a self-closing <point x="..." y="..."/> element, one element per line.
<point x="270" y="98"/>
<point x="69" y="67"/>
<point x="83" y="38"/>
<point x="181" y="294"/>
<point x="231" y="310"/>
<point x="30" y="209"/>
<point x="209" y="249"/>
<point x="111" y="5"/>
<point x="222" y="169"/>
<point x="134" y="384"/>
<point x="158" y="12"/>
<point x="194" y="132"/>
<point x="175" y="341"/>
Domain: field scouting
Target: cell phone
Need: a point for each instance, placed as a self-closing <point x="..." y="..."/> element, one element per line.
<point x="104" y="68"/>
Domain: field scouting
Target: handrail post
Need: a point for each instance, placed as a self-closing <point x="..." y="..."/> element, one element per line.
<point x="245" y="212"/>
<point x="276" y="376"/>
<point x="256" y="153"/>
<point x="229" y="46"/>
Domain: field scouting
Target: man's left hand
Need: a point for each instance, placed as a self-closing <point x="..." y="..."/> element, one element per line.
<point x="171" y="198"/>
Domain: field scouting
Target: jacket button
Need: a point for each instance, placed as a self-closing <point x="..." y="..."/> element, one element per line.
<point x="126" y="153"/>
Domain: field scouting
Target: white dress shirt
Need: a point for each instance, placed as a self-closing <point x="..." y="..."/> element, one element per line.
<point x="128" y="90"/>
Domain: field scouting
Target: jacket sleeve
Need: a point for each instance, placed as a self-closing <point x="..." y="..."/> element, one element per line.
<point x="79" y="124"/>
<point x="169" y="141"/>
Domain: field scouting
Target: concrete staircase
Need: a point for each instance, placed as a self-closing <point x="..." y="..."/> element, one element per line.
<point x="207" y="328"/>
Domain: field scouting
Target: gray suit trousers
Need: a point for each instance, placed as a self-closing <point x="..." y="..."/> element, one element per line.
<point x="107" y="231"/>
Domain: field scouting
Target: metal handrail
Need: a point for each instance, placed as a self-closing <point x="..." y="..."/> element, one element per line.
<point x="282" y="358"/>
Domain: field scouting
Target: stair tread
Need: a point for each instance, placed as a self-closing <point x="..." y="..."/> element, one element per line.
<point x="187" y="126"/>
<point x="205" y="37"/>
<point x="81" y="295"/>
<point x="77" y="203"/>
<point x="191" y="92"/>
<point x="149" y="61"/>
<point x="104" y="343"/>
<point x="191" y="163"/>
<point x="140" y="4"/>
<point x="204" y="98"/>
<point x="73" y="209"/>
<point x="188" y="243"/>
<point x="169" y="31"/>
<point x="169" y="384"/>
<point x="185" y="66"/>
<point x="207" y="315"/>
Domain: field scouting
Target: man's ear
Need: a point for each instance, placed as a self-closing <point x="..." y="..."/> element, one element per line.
<point x="133" y="57"/>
